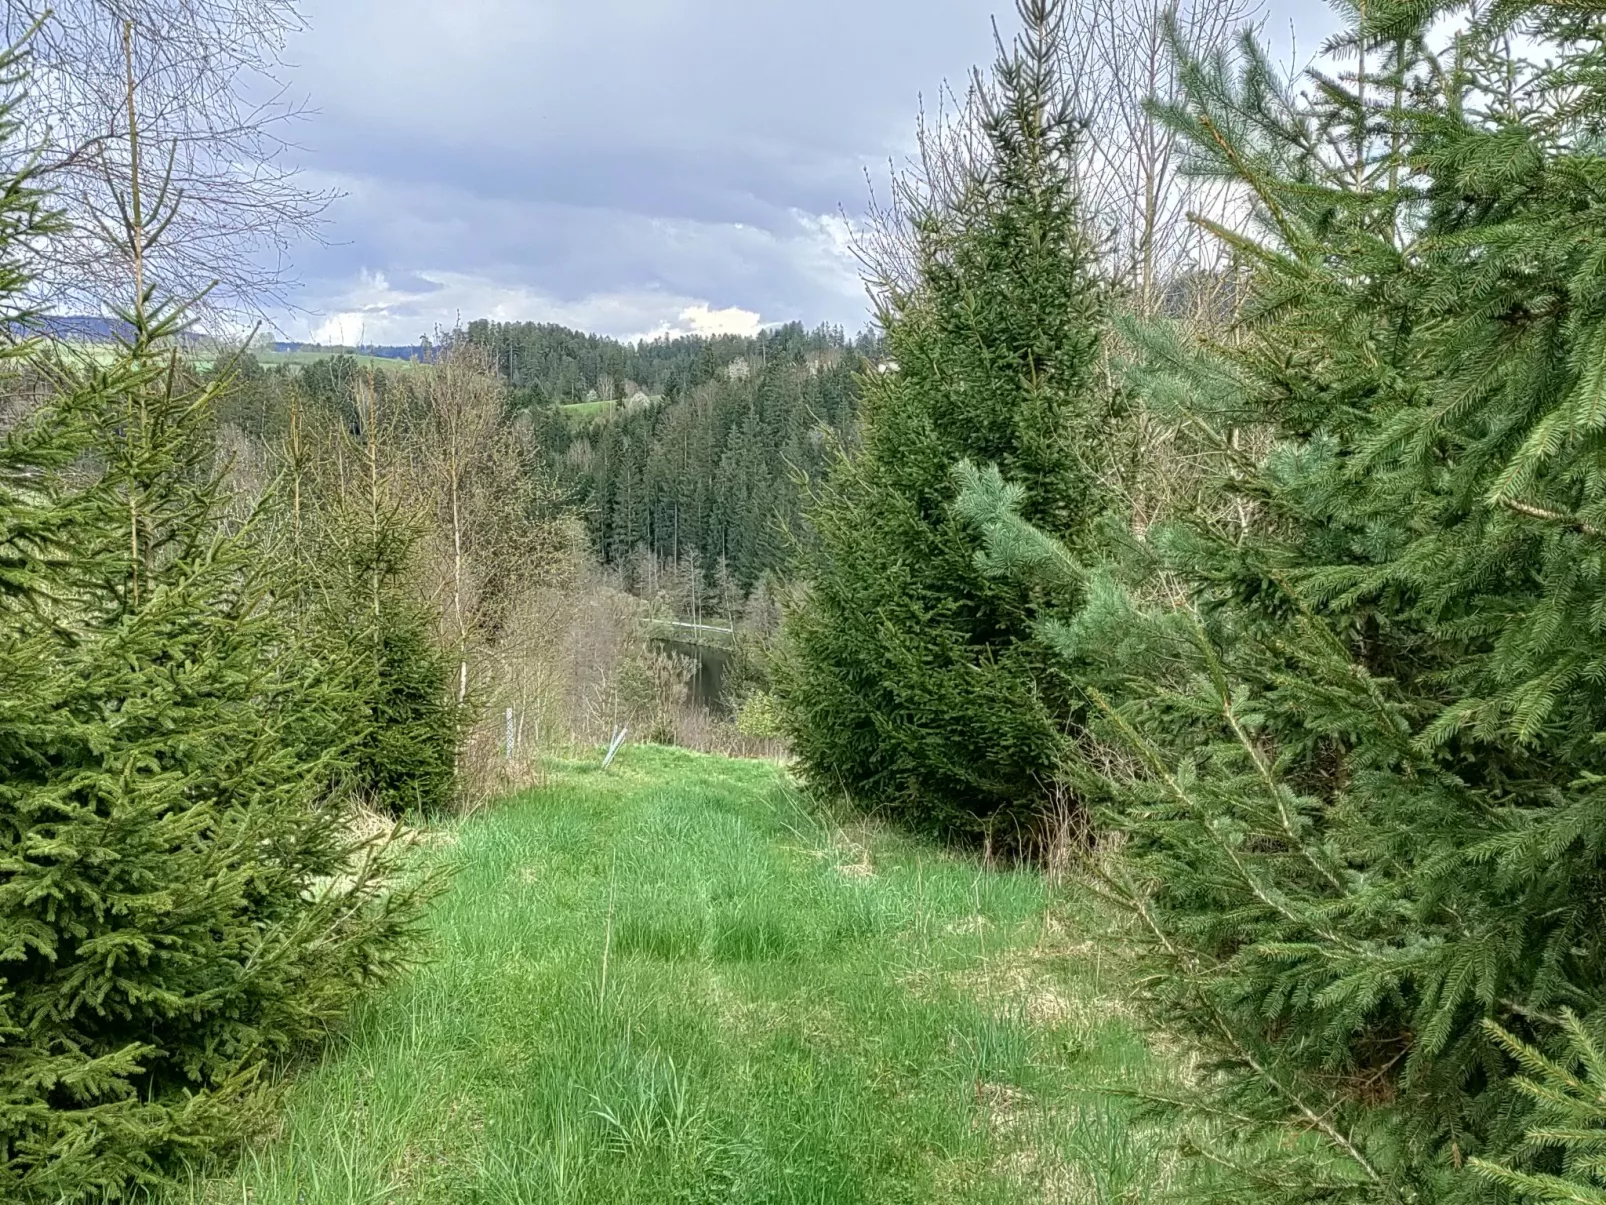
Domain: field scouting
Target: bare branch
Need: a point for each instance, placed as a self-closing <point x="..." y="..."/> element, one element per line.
<point x="208" y="76"/>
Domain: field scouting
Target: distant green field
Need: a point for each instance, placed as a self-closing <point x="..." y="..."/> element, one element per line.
<point x="580" y="411"/>
<point x="205" y="358"/>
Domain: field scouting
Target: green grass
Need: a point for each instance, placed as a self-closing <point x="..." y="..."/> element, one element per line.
<point x="673" y="982"/>
<point x="578" y="412"/>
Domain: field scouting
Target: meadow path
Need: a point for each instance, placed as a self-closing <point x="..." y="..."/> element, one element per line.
<point x="674" y="982"/>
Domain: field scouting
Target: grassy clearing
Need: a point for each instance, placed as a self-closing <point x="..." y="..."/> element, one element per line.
<point x="669" y="982"/>
<point x="579" y="412"/>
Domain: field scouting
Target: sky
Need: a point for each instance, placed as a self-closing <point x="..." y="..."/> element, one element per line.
<point x="628" y="167"/>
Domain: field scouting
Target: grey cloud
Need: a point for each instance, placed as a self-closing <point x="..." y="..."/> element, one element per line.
<point x="412" y="283"/>
<point x="760" y="185"/>
<point x="671" y="149"/>
<point x="570" y="250"/>
<point x="614" y="160"/>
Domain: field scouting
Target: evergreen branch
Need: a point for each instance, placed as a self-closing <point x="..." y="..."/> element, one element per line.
<point x="1248" y="878"/>
<point x="1317" y="1120"/>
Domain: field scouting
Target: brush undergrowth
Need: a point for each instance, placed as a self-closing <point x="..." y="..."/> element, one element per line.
<point x="673" y="981"/>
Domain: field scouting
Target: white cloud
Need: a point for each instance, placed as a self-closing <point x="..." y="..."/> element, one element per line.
<point x="701" y="319"/>
<point x="374" y="310"/>
<point x="629" y="279"/>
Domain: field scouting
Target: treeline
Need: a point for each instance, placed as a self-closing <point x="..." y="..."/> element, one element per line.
<point x="717" y="472"/>
<point x="545" y="363"/>
<point x="1284" y="617"/>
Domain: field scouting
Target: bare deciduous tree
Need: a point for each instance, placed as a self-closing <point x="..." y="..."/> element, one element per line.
<point x="1116" y="59"/>
<point x="214" y="112"/>
<point x="1132" y="183"/>
<point x="473" y="469"/>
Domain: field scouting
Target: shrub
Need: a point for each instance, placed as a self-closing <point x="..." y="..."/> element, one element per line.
<point x="758" y="718"/>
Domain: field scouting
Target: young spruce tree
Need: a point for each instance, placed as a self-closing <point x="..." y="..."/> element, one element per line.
<point x="345" y="530"/>
<point x="1359" y="733"/>
<point x="912" y="681"/>
<point x="180" y="902"/>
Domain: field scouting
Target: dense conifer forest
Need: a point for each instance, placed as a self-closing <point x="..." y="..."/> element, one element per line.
<point x="545" y="363"/>
<point x="717" y="469"/>
<point x="693" y="456"/>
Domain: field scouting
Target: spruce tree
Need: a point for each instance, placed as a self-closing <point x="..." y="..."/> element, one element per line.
<point x="180" y="901"/>
<point x="1562" y="1160"/>
<point x="343" y="532"/>
<point x="1357" y="729"/>
<point x="911" y="680"/>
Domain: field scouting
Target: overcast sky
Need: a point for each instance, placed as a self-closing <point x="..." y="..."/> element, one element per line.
<point x="622" y="166"/>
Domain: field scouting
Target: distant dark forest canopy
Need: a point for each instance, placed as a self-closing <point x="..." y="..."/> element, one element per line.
<point x="707" y="474"/>
<point x="716" y="469"/>
<point x="547" y="363"/>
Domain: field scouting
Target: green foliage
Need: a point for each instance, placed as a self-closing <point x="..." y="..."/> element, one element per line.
<point x="405" y="724"/>
<point x="405" y="760"/>
<point x="1350" y="727"/>
<point x="758" y="717"/>
<point x="716" y="468"/>
<point x="346" y="544"/>
<point x="180" y="901"/>
<point x="912" y="680"/>
<point x="1569" y="1121"/>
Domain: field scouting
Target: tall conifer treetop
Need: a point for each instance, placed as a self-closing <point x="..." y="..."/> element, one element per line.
<point x="912" y="681"/>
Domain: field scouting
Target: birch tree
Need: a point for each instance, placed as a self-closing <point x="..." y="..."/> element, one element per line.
<point x="214" y="111"/>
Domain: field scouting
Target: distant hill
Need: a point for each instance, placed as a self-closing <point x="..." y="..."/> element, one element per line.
<point x="413" y="352"/>
<point x="85" y="328"/>
<point x="545" y="363"/>
<point x="90" y="328"/>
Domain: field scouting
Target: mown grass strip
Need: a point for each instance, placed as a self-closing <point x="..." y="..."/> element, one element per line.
<point x="673" y="982"/>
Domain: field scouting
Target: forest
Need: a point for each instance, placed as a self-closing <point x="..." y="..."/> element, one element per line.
<point x="704" y="479"/>
<point x="719" y="469"/>
<point x="1157" y="745"/>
